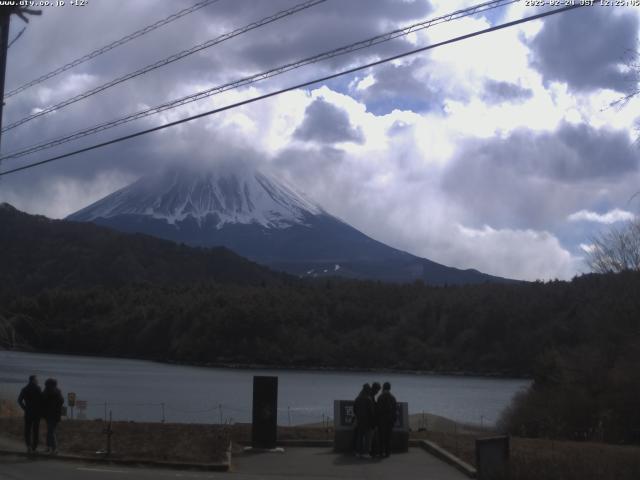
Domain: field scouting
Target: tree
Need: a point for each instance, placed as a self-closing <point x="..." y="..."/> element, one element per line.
<point x="616" y="250"/>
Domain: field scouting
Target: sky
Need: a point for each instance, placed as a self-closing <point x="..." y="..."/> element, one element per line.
<point x="499" y="153"/>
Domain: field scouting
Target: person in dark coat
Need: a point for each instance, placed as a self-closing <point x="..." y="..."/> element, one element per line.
<point x="363" y="409"/>
<point x="52" y="402"/>
<point x="30" y="400"/>
<point x="386" y="410"/>
<point x="356" y="432"/>
<point x="375" y="434"/>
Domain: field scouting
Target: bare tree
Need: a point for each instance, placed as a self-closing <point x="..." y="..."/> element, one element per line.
<point x="631" y="62"/>
<point x="616" y="250"/>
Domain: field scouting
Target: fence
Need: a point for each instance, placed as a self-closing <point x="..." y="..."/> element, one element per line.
<point x="215" y="413"/>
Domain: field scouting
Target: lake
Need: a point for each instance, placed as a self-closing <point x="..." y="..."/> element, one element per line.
<point x="140" y="390"/>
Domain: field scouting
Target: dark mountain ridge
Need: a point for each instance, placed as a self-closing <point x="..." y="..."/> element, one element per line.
<point x="38" y="253"/>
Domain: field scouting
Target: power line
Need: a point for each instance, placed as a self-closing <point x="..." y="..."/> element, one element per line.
<point x="111" y="46"/>
<point x="378" y="39"/>
<point x="166" y="61"/>
<point x="294" y="87"/>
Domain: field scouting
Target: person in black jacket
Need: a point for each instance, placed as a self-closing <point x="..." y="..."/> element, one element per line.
<point x="386" y="409"/>
<point x="364" y="410"/>
<point x="52" y="402"/>
<point x="375" y="434"/>
<point x="30" y="400"/>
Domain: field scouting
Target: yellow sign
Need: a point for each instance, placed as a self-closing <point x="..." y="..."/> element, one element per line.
<point x="71" y="399"/>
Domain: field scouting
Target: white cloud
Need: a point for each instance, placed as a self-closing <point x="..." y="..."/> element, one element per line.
<point x="60" y="196"/>
<point x="612" y="216"/>
<point x="523" y="254"/>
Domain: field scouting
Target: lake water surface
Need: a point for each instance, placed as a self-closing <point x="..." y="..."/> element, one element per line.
<point x="136" y="390"/>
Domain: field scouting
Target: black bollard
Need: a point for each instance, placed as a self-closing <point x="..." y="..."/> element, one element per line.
<point x="264" y="431"/>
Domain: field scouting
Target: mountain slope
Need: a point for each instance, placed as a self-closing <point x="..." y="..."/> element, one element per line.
<point x="263" y="219"/>
<point x="37" y="252"/>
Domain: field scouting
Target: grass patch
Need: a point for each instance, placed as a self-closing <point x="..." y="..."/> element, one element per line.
<point x="132" y="440"/>
<point x="535" y="459"/>
<point x="9" y="409"/>
<point x="175" y="442"/>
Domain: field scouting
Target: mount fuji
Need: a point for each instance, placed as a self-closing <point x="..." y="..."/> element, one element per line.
<point x="264" y="219"/>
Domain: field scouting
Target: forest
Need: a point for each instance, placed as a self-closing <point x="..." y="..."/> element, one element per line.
<point x="486" y="329"/>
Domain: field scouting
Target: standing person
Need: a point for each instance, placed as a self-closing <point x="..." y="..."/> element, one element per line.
<point x="356" y="431"/>
<point x="386" y="418"/>
<point x="30" y="400"/>
<point x="375" y="434"/>
<point x="52" y="402"/>
<point x="364" y="412"/>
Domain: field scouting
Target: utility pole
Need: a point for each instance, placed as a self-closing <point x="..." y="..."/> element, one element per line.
<point x="5" y="23"/>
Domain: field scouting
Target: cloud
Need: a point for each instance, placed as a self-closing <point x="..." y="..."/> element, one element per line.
<point x="498" y="92"/>
<point x="328" y="26"/>
<point x="402" y="86"/>
<point x="608" y="218"/>
<point x="585" y="48"/>
<point x="536" y="179"/>
<point x="524" y="254"/>
<point x="59" y="195"/>
<point x="326" y="123"/>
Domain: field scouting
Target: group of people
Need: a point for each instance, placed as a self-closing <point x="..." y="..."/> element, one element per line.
<point x="375" y="418"/>
<point x="40" y="404"/>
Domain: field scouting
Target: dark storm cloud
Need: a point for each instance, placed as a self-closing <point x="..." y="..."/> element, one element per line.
<point x="404" y="87"/>
<point x="326" y="123"/>
<point x="330" y="25"/>
<point x="499" y="92"/>
<point x="533" y="179"/>
<point x="586" y="48"/>
<point x="573" y="153"/>
<point x="311" y="163"/>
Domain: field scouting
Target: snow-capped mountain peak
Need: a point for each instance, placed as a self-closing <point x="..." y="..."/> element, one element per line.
<point x="225" y="196"/>
<point x="262" y="218"/>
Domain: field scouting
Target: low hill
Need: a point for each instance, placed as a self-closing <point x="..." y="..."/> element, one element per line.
<point x="37" y="253"/>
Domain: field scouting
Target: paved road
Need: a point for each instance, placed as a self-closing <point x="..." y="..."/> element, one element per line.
<point x="314" y="463"/>
<point x="21" y="468"/>
<point x="322" y="463"/>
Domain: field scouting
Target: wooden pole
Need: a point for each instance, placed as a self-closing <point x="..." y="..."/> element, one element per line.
<point x="5" y="23"/>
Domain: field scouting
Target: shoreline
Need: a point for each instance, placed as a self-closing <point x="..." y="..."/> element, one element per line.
<point x="317" y="369"/>
<point x="320" y="369"/>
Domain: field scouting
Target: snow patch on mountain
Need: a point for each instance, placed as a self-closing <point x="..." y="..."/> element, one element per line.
<point x="226" y="196"/>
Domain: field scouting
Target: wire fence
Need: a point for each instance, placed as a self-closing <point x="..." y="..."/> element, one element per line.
<point x="214" y="413"/>
<point x="290" y="415"/>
